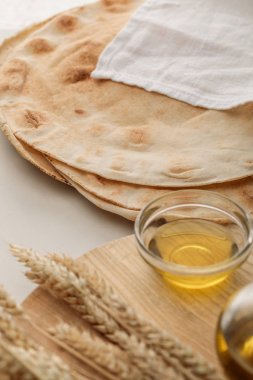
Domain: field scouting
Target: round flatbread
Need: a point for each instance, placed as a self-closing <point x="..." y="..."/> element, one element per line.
<point x="115" y="131"/>
<point x="135" y="197"/>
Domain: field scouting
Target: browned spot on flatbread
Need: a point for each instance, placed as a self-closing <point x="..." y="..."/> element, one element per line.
<point x="114" y="2"/>
<point x="118" y="164"/>
<point x="34" y="118"/>
<point x="115" y="6"/>
<point x="13" y="75"/>
<point x="81" y="159"/>
<point x="85" y="58"/>
<point x="16" y="66"/>
<point x="100" y="179"/>
<point x="79" y="61"/>
<point x="138" y="136"/>
<point x="80" y="111"/>
<point x="76" y="74"/>
<point x="40" y="46"/>
<point x="67" y="23"/>
<point x="178" y="169"/>
<point x="248" y="164"/>
<point x="89" y="53"/>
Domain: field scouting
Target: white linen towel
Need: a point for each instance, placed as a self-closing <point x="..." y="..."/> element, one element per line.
<point x="197" y="51"/>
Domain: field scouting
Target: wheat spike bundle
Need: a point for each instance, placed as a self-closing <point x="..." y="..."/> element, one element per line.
<point x="111" y="316"/>
<point x="173" y="353"/>
<point x="66" y="285"/>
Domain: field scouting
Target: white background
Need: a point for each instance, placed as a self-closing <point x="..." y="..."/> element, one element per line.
<point x="36" y="211"/>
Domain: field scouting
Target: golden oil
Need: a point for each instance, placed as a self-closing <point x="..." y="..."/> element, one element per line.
<point x="193" y="243"/>
<point x="236" y="355"/>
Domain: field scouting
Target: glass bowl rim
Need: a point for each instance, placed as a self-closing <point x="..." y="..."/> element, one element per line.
<point x="176" y="269"/>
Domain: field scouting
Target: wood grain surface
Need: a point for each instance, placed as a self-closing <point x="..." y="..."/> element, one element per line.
<point x="189" y="315"/>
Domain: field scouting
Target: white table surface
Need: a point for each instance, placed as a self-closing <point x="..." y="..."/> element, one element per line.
<point x="36" y="211"/>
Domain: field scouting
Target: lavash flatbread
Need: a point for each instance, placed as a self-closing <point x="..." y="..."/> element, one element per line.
<point x="122" y="198"/>
<point x="118" y="197"/>
<point x="121" y="194"/>
<point x="112" y="130"/>
<point x="135" y="197"/>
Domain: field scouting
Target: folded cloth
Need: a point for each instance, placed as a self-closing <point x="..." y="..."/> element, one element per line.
<point x="197" y="51"/>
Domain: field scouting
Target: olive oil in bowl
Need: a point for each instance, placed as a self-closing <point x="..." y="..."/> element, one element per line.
<point x="193" y="238"/>
<point x="193" y="243"/>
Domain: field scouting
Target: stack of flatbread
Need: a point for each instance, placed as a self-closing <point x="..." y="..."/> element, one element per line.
<point x="117" y="145"/>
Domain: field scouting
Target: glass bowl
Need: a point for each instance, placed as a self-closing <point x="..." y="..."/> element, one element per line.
<point x="193" y="238"/>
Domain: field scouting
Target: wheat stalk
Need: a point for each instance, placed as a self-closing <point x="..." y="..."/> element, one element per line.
<point x="191" y="365"/>
<point x="66" y="285"/>
<point x="103" y="354"/>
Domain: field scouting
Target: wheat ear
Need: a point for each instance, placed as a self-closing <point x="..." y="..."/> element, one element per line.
<point x="46" y="366"/>
<point x="67" y="285"/>
<point x="25" y="348"/>
<point x="191" y="365"/>
<point x="103" y="354"/>
<point x="8" y="303"/>
<point x="37" y="362"/>
<point x="11" y="368"/>
<point x="8" y="323"/>
<point x="12" y="332"/>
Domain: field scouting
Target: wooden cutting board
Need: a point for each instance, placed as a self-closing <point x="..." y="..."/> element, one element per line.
<point x="189" y="315"/>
